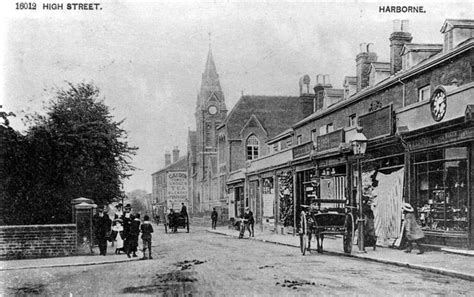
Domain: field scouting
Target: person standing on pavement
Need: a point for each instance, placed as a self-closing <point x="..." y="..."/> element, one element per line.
<point x="413" y="231"/>
<point x="251" y="223"/>
<point x="146" y="229"/>
<point x="134" y="233"/>
<point x="247" y="215"/>
<point x="127" y="219"/>
<point x="102" y="225"/>
<point x="117" y="230"/>
<point x="214" y="218"/>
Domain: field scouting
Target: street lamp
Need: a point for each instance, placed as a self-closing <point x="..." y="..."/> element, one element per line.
<point x="359" y="145"/>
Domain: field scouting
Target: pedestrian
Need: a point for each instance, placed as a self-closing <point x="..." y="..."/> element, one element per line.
<point x="146" y="229"/>
<point x="246" y="216"/>
<point x="127" y="219"/>
<point x="413" y="231"/>
<point x="214" y="218"/>
<point x="117" y="236"/>
<point x="102" y="225"/>
<point x="134" y="233"/>
<point x="251" y="222"/>
<point x="184" y="211"/>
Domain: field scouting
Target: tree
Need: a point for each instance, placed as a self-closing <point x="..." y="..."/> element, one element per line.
<point x="75" y="150"/>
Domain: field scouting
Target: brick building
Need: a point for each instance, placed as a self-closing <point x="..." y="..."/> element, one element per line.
<point x="170" y="184"/>
<point x="242" y="138"/>
<point x="416" y="111"/>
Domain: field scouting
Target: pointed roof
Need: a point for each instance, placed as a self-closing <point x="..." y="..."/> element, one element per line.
<point x="210" y="85"/>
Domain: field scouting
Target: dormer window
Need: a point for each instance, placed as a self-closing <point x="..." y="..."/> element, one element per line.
<point x="424" y="93"/>
<point x="252" y="145"/>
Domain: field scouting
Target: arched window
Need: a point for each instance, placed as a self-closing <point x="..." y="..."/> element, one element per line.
<point x="252" y="147"/>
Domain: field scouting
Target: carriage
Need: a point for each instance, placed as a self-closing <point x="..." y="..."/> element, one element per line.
<point x="176" y="220"/>
<point x="318" y="222"/>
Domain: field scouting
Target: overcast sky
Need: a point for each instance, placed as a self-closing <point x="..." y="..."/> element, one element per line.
<point x="147" y="57"/>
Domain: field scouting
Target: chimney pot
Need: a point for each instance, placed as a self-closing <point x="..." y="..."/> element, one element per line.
<point x="167" y="158"/>
<point x="175" y="154"/>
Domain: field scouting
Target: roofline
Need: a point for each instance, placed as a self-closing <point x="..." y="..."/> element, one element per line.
<point x="390" y="81"/>
<point x="166" y="167"/>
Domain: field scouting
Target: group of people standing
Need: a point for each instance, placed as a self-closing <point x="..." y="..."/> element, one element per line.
<point x="124" y="232"/>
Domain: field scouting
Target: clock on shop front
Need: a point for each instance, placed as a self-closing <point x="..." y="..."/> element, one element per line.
<point x="438" y="105"/>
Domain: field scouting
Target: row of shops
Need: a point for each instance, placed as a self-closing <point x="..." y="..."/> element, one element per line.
<point x="426" y="164"/>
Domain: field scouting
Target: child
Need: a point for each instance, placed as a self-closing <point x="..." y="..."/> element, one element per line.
<point x="117" y="230"/>
<point x="146" y="229"/>
<point x="412" y="229"/>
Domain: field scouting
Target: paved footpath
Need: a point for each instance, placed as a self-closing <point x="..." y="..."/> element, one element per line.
<point x="441" y="262"/>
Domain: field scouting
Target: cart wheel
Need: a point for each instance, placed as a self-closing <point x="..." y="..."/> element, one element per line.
<point x="166" y="227"/>
<point x="303" y="243"/>
<point x="348" y="238"/>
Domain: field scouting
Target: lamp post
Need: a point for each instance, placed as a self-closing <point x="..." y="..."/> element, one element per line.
<point x="359" y="145"/>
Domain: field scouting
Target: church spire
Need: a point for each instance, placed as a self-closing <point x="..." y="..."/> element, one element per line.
<point x="210" y="81"/>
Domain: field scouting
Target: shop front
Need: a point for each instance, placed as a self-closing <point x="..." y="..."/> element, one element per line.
<point x="441" y="188"/>
<point x="236" y="194"/>
<point x="439" y="139"/>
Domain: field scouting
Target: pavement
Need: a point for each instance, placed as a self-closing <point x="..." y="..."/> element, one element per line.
<point x="446" y="261"/>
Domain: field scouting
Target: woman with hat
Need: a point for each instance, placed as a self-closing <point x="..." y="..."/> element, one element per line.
<point x="413" y="231"/>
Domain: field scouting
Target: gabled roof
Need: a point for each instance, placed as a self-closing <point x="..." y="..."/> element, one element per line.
<point x="180" y="165"/>
<point x="381" y="66"/>
<point x="450" y="24"/>
<point x="421" y="47"/>
<point x="253" y="122"/>
<point x="274" y="113"/>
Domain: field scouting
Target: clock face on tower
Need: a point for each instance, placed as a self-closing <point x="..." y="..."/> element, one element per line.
<point x="212" y="109"/>
<point x="438" y="105"/>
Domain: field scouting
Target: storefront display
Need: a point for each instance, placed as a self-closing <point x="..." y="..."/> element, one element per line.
<point x="441" y="188"/>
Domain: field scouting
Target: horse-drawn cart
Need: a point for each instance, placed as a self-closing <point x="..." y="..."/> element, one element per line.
<point x="332" y="221"/>
<point x="175" y="220"/>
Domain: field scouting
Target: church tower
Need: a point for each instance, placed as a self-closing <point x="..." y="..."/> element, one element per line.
<point x="210" y="112"/>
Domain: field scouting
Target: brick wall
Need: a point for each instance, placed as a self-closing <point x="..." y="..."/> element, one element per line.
<point x="37" y="241"/>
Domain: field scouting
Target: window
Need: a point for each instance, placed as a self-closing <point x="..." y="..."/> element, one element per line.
<point x="298" y="139"/>
<point x="289" y="142"/>
<point x="424" y="93"/>
<point x="322" y="130"/>
<point x="252" y="147"/>
<point x="313" y="135"/>
<point x="276" y="146"/>
<point x="329" y="128"/>
<point x="352" y="120"/>
<point x="441" y="180"/>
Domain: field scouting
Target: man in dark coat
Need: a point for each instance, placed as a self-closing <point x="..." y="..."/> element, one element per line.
<point x="134" y="233"/>
<point x="184" y="211"/>
<point x="214" y="218"/>
<point x="127" y="219"/>
<point x="102" y="225"/>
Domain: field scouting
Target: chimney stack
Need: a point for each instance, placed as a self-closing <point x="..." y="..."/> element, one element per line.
<point x="175" y="154"/>
<point x="167" y="158"/>
<point x="398" y="38"/>
<point x="363" y="60"/>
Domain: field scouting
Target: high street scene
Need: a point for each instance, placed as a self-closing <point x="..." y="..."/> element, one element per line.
<point x="237" y="148"/>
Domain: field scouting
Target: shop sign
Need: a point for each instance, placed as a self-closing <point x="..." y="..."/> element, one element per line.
<point x="331" y="162"/>
<point x="330" y="140"/>
<point x="377" y="123"/>
<point x="177" y="189"/>
<point x="448" y="137"/>
<point x="302" y="150"/>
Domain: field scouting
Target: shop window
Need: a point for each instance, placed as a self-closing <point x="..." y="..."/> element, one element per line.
<point x="441" y="189"/>
<point x="252" y="147"/>
<point x="424" y="93"/>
